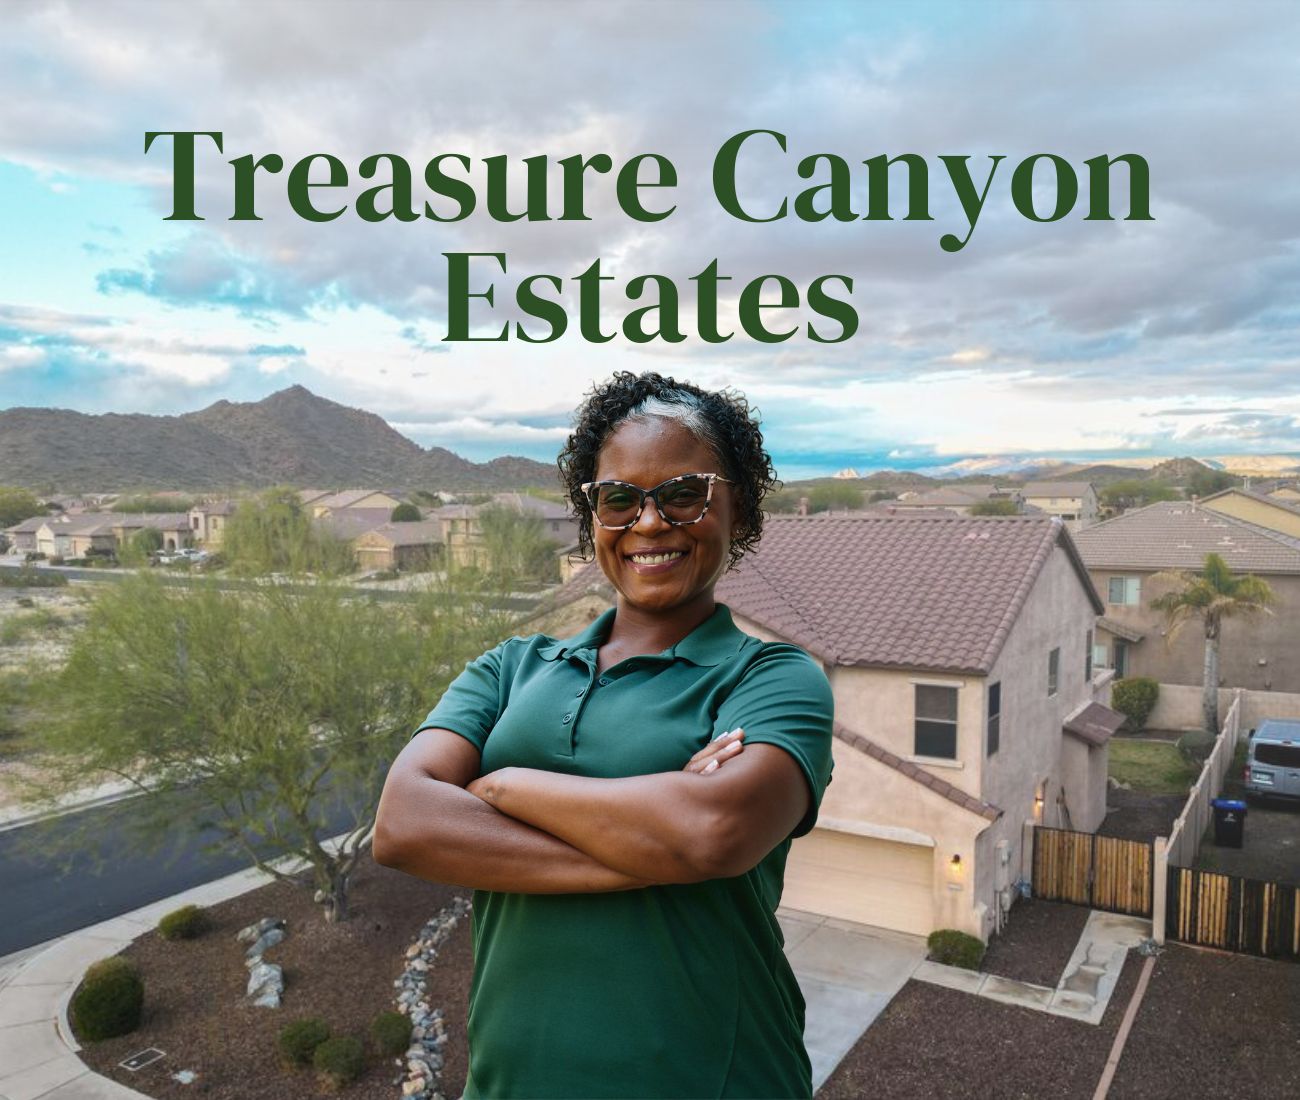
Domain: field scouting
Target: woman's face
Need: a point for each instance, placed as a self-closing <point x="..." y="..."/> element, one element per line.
<point x="645" y="453"/>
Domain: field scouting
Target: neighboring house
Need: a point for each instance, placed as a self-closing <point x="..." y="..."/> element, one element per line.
<point x="1259" y="653"/>
<point x="22" y="536"/>
<point x="1277" y="513"/>
<point x="966" y="704"/>
<point x="1075" y="502"/>
<point x="413" y="545"/>
<point x="77" y="535"/>
<point x="317" y="502"/>
<point x="957" y="499"/>
<point x="462" y="533"/>
<point x="208" y="522"/>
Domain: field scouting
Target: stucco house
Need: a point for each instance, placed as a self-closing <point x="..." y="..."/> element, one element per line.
<point x="319" y="502"/>
<point x="1123" y="555"/>
<point x="1074" y="502"/>
<point x="957" y="499"/>
<point x="1277" y="513"/>
<point x="462" y="532"/>
<point x="413" y="545"/>
<point x="208" y="522"/>
<point x="958" y="650"/>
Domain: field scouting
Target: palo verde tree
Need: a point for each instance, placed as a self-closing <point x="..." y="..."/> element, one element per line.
<point x="269" y="714"/>
<point x="515" y="546"/>
<point x="1210" y="596"/>
<point x="274" y="534"/>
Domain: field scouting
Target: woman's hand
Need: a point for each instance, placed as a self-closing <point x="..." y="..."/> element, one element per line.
<point x="717" y="752"/>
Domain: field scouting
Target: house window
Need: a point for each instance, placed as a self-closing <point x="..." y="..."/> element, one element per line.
<point x="1099" y="655"/>
<point x="1125" y="590"/>
<point x="994" y="717"/>
<point x="1087" y="659"/>
<point x="936" y="721"/>
<point x="1053" y="670"/>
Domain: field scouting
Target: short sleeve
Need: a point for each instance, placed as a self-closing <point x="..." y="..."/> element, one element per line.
<point x="473" y="701"/>
<point x="785" y="699"/>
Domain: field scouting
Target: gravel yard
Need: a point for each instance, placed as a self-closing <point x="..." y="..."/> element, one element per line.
<point x="1037" y="942"/>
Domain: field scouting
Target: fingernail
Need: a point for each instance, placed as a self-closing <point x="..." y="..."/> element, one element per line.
<point x="728" y="735"/>
<point x="711" y="766"/>
<point x="731" y="747"/>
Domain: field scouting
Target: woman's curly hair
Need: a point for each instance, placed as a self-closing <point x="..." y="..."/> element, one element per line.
<point x="723" y="420"/>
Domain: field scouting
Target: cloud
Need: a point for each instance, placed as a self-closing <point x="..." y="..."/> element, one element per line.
<point x="1073" y="331"/>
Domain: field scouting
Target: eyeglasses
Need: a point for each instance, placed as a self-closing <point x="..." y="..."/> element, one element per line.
<point x="682" y="500"/>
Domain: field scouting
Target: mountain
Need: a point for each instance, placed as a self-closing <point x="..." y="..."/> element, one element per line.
<point x="292" y="437"/>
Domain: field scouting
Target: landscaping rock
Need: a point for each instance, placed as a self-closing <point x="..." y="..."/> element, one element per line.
<point x="255" y="932"/>
<point x="266" y="940"/>
<point x="424" y="1059"/>
<point x="265" y="984"/>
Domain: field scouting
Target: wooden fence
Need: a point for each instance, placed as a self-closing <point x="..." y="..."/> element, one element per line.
<point x="1102" y="872"/>
<point x="1235" y="914"/>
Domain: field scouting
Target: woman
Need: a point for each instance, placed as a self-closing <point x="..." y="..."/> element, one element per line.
<point x="623" y="800"/>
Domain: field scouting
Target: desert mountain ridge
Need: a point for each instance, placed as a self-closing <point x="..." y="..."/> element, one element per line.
<point x="293" y="437"/>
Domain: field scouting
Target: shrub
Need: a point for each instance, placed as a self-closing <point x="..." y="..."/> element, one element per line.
<point x="22" y="577"/>
<point x="342" y="1060"/>
<point x="299" y="1040"/>
<point x="953" y="948"/>
<point x="1135" y="698"/>
<point x="109" y="1000"/>
<point x="184" y="923"/>
<point x="391" y="1032"/>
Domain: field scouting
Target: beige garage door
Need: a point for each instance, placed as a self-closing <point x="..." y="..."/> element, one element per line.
<point x="858" y="878"/>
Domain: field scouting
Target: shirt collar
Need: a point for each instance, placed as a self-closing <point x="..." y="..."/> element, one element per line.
<point x="710" y="643"/>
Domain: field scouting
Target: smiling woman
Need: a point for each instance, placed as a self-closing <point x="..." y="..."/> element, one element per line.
<point x="623" y="801"/>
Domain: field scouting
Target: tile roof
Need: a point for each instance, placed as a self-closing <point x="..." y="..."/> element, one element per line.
<point x="932" y="592"/>
<point x="1056" y="489"/>
<point x="1291" y="506"/>
<point x="413" y="533"/>
<point x="1095" y="723"/>
<point x="1119" y="630"/>
<point x="1178" y="535"/>
<point x="526" y="502"/>
<point x="915" y="772"/>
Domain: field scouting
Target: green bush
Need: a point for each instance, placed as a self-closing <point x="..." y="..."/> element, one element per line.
<point x="299" y="1040"/>
<point x="109" y="1000"/>
<point x="342" y="1060"/>
<point x="391" y="1032"/>
<point x="1135" y="698"/>
<point x="22" y="577"/>
<point x="953" y="948"/>
<point x="184" y="923"/>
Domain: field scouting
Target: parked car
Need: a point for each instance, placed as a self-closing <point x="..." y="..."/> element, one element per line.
<point x="1273" y="759"/>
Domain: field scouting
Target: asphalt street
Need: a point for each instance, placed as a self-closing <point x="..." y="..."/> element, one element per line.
<point x="43" y="896"/>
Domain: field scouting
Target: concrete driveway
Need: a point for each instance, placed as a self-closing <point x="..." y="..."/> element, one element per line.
<point x="848" y="973"/>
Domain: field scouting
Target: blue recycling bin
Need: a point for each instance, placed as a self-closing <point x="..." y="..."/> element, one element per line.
<point x="1229" y="822"/>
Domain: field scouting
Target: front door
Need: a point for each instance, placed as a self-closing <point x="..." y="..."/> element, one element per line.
<point x="1121" y="658"/>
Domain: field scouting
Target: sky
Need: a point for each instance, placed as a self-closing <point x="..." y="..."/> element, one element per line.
<point x="1074" y="338"/>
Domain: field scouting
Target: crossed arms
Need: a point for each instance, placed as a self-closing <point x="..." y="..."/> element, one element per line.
<point x="528" y="831"/>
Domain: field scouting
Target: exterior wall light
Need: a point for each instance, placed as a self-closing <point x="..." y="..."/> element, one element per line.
<point x="955" y="873"/>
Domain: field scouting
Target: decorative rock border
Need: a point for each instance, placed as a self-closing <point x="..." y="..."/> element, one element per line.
<point x="265" y="980"/>
<point x="424" y="1057"/>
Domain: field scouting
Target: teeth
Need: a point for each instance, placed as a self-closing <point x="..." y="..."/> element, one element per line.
<point x="656" y="559"/>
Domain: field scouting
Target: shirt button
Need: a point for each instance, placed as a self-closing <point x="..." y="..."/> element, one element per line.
<point x="602" y="681"/>
<point x="567" y="719"/>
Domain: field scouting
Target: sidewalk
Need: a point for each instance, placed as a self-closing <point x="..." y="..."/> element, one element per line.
<point x="1086" y="983"/>
<point x="38" y="1054"/>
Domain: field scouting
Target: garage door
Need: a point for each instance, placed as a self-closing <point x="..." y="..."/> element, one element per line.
<point x="858" y="878"/>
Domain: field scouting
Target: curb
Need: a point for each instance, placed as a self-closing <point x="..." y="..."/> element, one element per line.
<point x="33" y="1067"/>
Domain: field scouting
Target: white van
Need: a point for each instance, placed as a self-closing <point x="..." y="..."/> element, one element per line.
<point x="1273" y="759"/>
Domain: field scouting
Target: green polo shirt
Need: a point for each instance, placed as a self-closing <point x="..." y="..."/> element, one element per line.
<point x="671" y="991"/>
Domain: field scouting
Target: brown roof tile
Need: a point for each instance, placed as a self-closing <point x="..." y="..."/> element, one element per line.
<point x="1178" y="535"/>
<point x="930" y="592"/>
<point x="1094" y="723"/>
<point x="940" y="786"/>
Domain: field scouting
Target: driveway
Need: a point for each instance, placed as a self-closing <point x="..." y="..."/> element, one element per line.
<point x="848" y="973"/>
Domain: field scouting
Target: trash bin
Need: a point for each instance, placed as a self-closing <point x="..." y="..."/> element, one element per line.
<point x="1229" y="822"/>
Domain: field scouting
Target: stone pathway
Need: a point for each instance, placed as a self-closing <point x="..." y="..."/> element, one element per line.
<point x="1086" y="983"/>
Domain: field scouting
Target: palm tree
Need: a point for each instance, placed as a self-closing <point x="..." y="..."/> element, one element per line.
<point x="1212" y="595"/>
